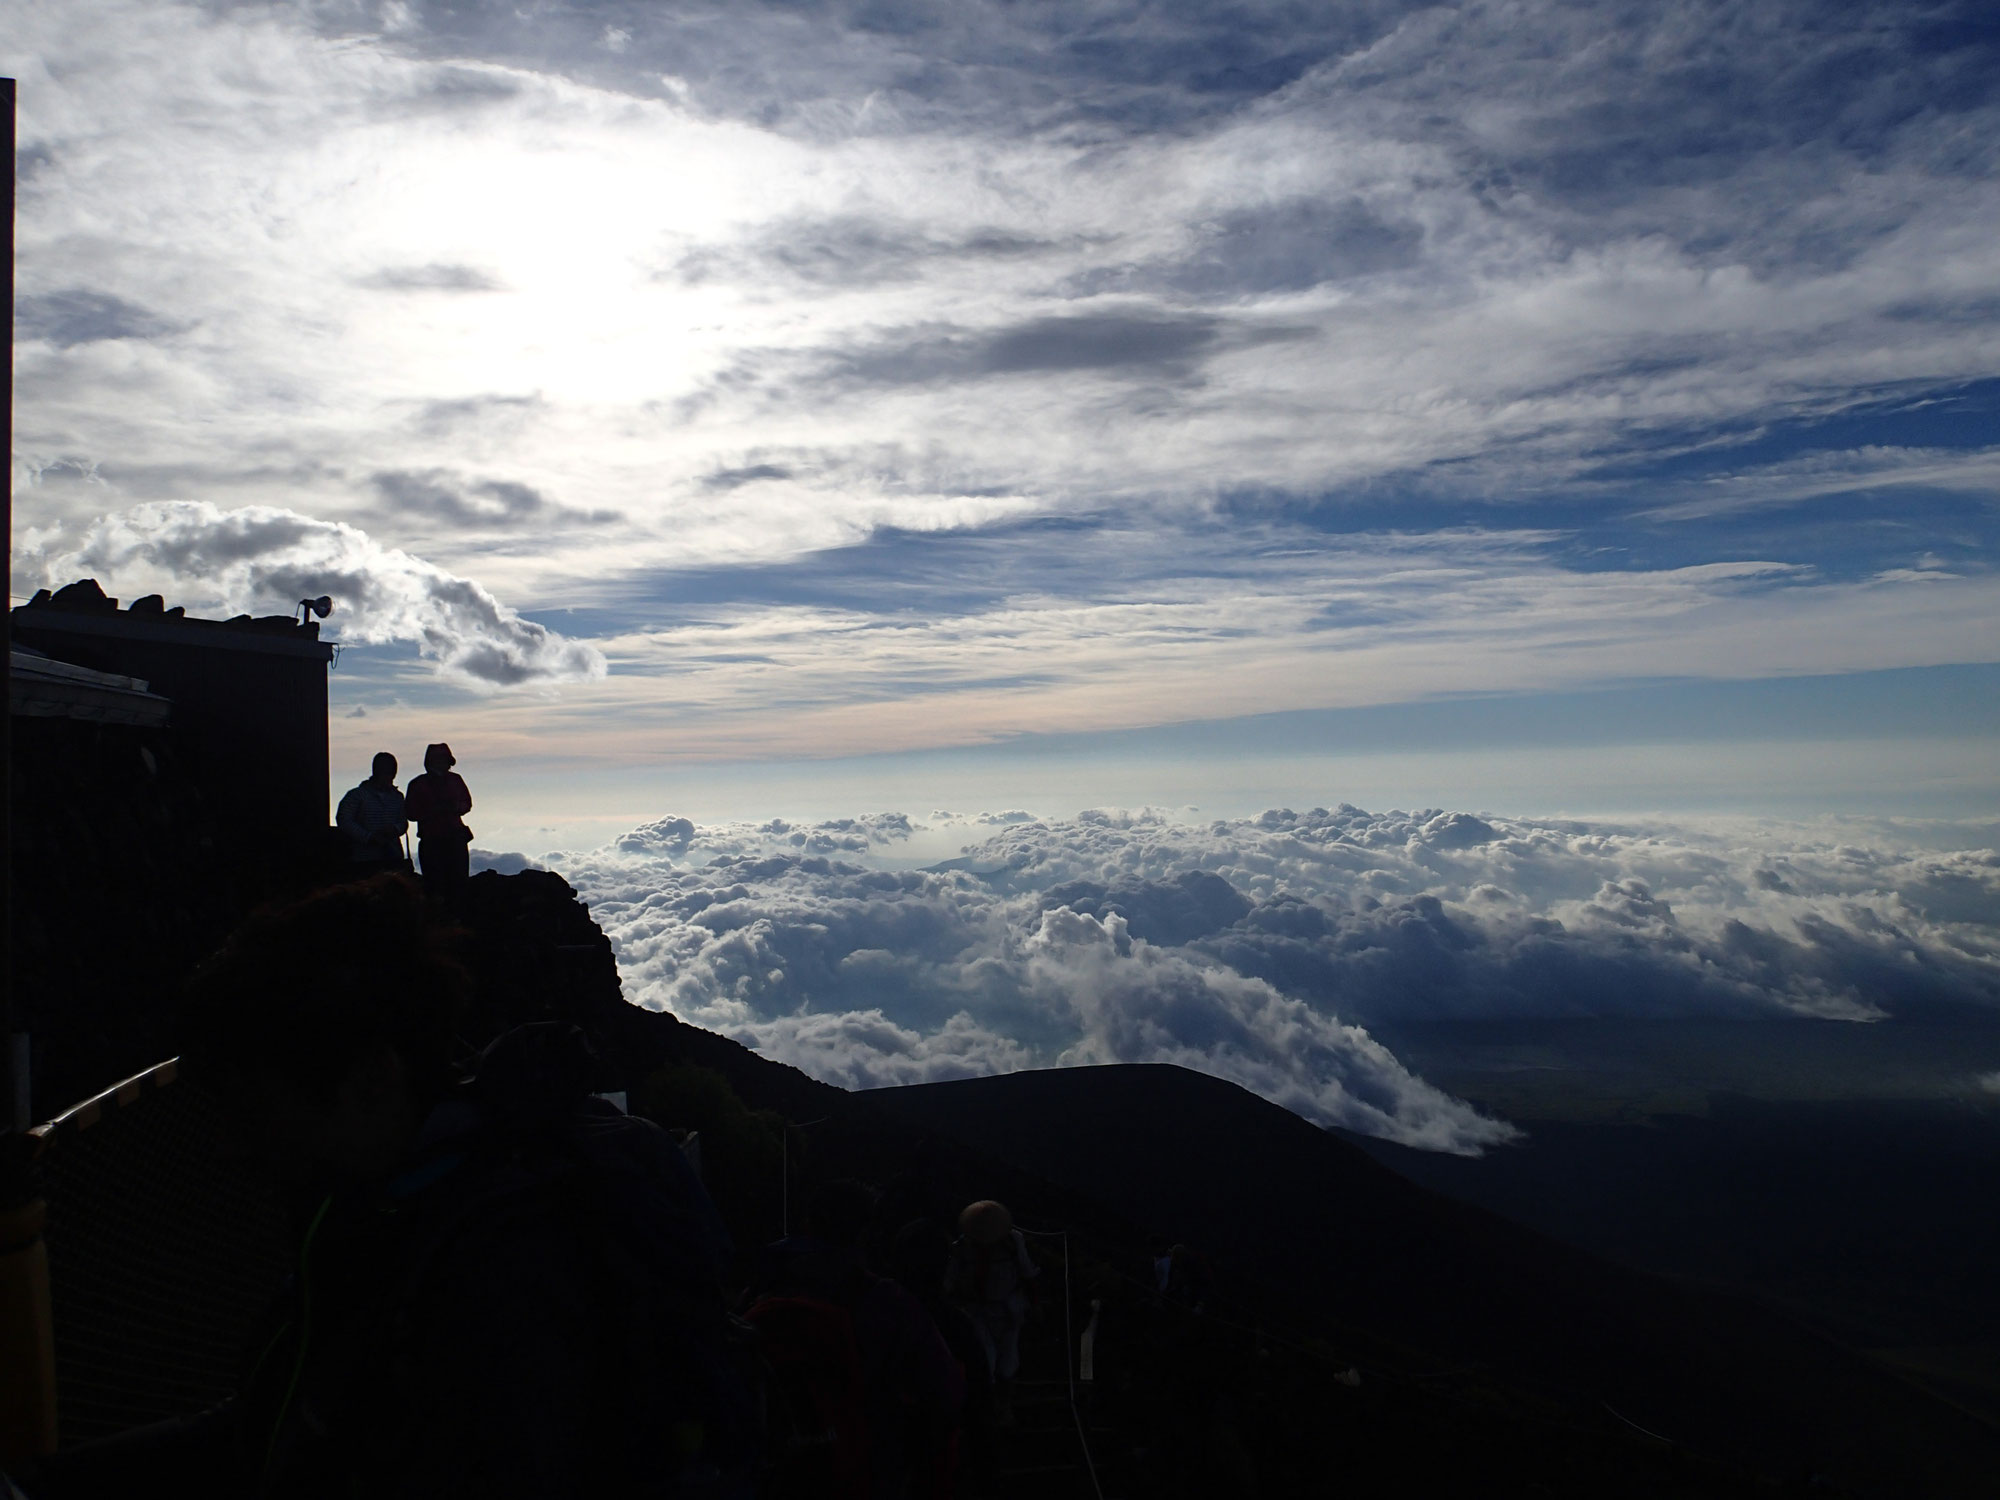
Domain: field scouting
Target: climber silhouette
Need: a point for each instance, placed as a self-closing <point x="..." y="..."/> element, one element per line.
<point x="437" y="803"/>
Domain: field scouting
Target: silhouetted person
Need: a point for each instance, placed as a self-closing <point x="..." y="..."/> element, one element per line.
<point x="893" y="1429"/>
<point x="437" y="803"/>
<point x="990" y="1276"/>
<point x="373" y="818"/>
<point x="918" y="1258"/>
<point x="1187" y="1278"/>
<point x="503" y="1287"/>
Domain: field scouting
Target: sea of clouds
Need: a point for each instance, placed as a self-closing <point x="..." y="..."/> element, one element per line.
<point x="1264" y="949"/>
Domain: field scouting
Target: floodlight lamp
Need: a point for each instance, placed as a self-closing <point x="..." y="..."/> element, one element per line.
<point x="322" y="606"/>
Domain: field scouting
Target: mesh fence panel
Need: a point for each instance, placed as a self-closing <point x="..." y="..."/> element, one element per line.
<point x="165" y="1246"/>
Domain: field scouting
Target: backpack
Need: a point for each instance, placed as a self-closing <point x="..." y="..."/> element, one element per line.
<point x="816" y="1409"/>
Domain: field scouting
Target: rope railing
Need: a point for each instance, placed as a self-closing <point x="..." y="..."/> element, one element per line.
<point x="1069" y="1355"/>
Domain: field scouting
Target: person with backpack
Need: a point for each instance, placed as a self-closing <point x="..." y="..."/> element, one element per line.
<point x="502" y="1288"/>
<point x="865" y="1396"/>
<point x="919" y="1257"/>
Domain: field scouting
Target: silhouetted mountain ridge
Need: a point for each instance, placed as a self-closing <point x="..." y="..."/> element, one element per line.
<point x="1306" y="1228"/>
<point x="1489" y="1354"/>
<point x="1341" y="1243"/>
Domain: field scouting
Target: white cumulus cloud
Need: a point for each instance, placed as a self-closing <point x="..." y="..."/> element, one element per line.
<point x="1264" y="950"/>
<point x="259" y="558"/>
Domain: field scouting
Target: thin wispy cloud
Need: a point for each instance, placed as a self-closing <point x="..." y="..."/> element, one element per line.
<point x="431" y="278"/>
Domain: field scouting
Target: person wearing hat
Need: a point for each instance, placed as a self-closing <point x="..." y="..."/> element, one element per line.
<point x="437" y="803"/>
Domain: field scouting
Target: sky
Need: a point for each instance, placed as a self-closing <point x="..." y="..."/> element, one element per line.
<point x="675" y="398"/>
<point x="824" y="410"/>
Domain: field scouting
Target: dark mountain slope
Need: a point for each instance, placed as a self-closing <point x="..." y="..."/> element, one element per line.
<point x="1333" y="1258"/>
<point x="1877" y="1220"/>
<point x="1342" y="1242"/>
<point x="537" y="955"/>
<point x="1880" y="1218"/>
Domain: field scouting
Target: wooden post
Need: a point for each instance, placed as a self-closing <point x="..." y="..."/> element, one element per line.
<point x="27" y="1337"/>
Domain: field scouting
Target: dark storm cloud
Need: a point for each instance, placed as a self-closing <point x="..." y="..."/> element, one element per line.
<point x="484" y="504"/>
<point x="436" y="277"/>
<point x="78" y="315"/>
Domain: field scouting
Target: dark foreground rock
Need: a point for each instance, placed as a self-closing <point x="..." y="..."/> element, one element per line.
<point x="1515" y="1353"/>
<point x="1354" y="1333"/>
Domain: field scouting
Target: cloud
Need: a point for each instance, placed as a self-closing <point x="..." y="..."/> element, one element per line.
<point x="483" y="504"/>
<point x="260" y="558"/>
<point x="1137" y="342"/>
<point x="1084" y="626"/>
<point x="867" y="977"/>
<point x="79" y="316"/>
<point x="736" y="478"/>
<point x="1271" y="317"/>
<point x="436" y="277"/>
<point x="1287" y="247"/>
<point x="1498" y="239"/>
<point x="892" y="69"/>
<point x="461" y="417"/>
<point x="1265" y="950"/>
<point x="673" y="837"/>
<point x="1139" y="1002"/>
<point x="850" y="250"/>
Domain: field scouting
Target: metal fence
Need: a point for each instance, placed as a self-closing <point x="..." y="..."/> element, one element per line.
<point x="165" y="1243"/>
